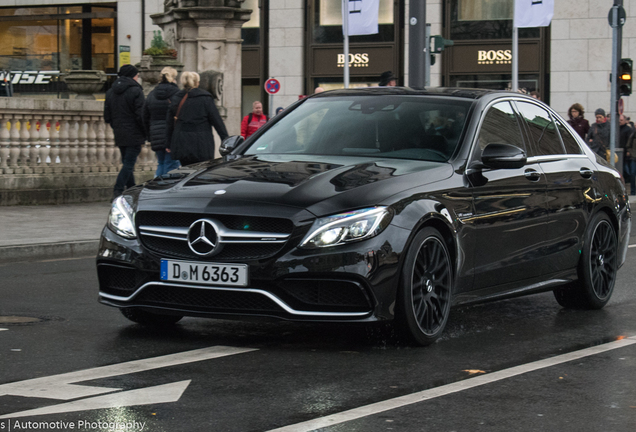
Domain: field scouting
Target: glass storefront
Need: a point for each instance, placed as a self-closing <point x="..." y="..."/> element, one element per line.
<point x="369" y="55"/>
<point x="56" y="39"/>
<point x="481" y="56"/>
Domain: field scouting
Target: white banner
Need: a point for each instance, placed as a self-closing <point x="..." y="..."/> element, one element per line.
<point x="363" y="16"/>
<point x="533" y="13"/>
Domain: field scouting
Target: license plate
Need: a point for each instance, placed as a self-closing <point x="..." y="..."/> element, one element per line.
<point x="204" y="273"/>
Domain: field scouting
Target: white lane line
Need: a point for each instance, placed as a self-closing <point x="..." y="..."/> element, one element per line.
<point x="165" y="393"/>
<point x="631" y="246"/>
<point x="1" y="329"/>
<point x="466" y="384"/>
<point x="62" y="387"/>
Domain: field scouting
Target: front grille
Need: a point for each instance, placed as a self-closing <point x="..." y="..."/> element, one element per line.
<point x="251" y="223"/>
<point x="168" y="247"/>
<point x="203" y="300"/>
<point x="120" y="281"/>
<point x="180" y="249"/>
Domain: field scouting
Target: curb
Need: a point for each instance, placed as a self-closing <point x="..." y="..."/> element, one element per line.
<point x="74" y="249"/>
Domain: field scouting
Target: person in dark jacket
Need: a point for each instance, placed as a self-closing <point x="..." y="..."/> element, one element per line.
<point x="598" y="137"/>
<point x="154" y="114"/>
<point x="629" y="163"/>
<point x="577" y="121"/>
<point x="122" y="110"/>
<point x="190" y="119"/>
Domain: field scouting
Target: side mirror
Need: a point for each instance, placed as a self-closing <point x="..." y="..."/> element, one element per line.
<point x="503" y="156"/>
<point x="230" y="143"/>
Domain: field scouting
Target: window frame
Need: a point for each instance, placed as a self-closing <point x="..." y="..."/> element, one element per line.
<point x="476" y="151"/>
<point x="531" y="138"/>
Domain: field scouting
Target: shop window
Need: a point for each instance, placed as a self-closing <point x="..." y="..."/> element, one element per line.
<point x="250" y="32"/>
<point x="484" y="19"/>
<point x="527" y="82"/>
<point x="483" y="10"/>
<point x="50" y="38"/>
<point x="327" y="26"/>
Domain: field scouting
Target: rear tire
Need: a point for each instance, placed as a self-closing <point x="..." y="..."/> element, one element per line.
<point x="597" y="268"/>
<point x="143" y="317"/>
<point x="425" y="291"/>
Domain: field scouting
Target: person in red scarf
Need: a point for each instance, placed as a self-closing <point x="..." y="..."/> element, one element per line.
<point x="253" y="121"/>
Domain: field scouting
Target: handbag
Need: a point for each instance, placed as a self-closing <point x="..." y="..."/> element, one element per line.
<point x="608" y="154"/>
<point x="176" y="117"/>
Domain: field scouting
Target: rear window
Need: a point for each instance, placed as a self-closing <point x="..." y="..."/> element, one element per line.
<point x="406" y="127"/>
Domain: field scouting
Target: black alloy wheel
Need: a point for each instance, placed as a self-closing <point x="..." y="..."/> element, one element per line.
<point x="597" y="268"/>
<point x="143" y="317"/>
<point x="426" y="288"/>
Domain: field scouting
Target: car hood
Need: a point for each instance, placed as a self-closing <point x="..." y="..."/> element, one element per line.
<point x="319" y="184"/>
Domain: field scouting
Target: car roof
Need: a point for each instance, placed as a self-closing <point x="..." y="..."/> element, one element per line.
<point x="461" y="92"/>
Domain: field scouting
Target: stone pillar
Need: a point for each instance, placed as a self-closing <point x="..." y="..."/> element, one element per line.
<point x="207" y="37"/>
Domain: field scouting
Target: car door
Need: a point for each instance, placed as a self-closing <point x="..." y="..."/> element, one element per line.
<point x="510" y="215"/>
<point x="570" y="185"/>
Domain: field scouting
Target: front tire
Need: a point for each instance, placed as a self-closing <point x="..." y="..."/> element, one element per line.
<point x="143" y="317"/>
<point x="425" y="291"/>
<point x="597" y="268"/>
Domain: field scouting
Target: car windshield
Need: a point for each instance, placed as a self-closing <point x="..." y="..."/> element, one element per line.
<point x="387" y="126"/>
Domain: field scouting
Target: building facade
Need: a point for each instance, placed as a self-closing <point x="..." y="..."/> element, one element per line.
<point x="299" y="42"/>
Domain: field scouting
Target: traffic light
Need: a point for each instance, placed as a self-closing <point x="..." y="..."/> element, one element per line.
<point x="625" y="77"/>
<point x="439" y="43"/>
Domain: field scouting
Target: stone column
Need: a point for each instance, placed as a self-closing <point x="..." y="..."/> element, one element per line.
<point x="207" y="37"/>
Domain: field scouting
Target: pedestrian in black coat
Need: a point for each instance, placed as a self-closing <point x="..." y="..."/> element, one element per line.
<point x="189" y="122"/>
<point x="154" y="115"/>
<point x="122" y="110"/>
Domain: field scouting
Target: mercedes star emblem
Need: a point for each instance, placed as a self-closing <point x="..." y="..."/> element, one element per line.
<point x="202" y="237"/>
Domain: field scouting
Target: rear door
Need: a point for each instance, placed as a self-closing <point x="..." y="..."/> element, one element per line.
<point x="510" y="213"/>
<point x="570" y="185"/>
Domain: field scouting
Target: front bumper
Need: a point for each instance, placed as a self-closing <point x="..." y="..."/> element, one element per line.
<point x="354" y="282"/>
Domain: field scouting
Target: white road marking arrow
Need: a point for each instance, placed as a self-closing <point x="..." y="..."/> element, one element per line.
<point x="61" y="386"/>
<point x="146" y="396"/>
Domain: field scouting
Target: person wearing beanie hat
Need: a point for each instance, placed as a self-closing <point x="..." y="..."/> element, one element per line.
<point x="128" y="71"/>
<point x="598" y="137"/>
<point x="123" y="111"/>
<point x="387" y="79"/>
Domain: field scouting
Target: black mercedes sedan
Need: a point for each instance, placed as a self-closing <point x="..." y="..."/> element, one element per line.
<point x="378" y="204"/>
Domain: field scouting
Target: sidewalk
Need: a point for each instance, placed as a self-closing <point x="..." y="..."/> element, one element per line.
<point x="56" y="231"/>
<point x="51" y="231"/>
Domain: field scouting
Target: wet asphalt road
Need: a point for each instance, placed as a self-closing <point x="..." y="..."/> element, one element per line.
<point x="295" y="373"/>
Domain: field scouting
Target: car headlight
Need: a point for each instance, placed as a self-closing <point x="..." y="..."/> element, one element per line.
<point x="347" y="227"/>
<point x="120" y="218"/>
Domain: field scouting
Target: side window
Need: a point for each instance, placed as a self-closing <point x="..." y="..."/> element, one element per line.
<point x="501" y="126"/>
<point x="542" y="129"/>
<point x="571" y="144"/>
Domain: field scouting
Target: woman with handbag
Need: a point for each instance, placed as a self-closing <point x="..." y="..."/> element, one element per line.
<point x="190" y="120"/>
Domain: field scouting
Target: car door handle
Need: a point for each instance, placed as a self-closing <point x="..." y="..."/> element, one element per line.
<point x="586" y="173"/>
<point x="532" y="175"/>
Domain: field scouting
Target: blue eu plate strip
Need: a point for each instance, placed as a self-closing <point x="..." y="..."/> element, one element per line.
<point x="164" y="270"/>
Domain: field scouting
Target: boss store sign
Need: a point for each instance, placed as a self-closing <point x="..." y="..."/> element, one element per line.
<point x="497" y="58"/>
<point x="369" y="61"/>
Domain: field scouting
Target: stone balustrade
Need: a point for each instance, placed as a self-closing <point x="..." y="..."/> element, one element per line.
<point x="59" y="145"/>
